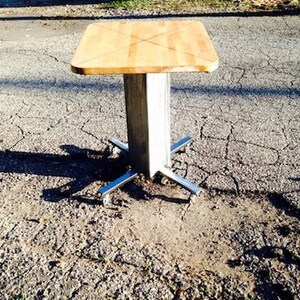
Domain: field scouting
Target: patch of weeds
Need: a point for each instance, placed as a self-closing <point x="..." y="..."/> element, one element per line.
<point x="192" y="6"/>
<point x="98" y="258"/>
<point x="20" y="297"/>
<point x="41" y="220"/>
<point x="148" y="267"/>
<point x="199" y="3"/>
<point x="130" y="4"/>
<point x="167" y="5"/>
<point x="119" y="245"/>
<point x="102" y="258"/>
<point x="44" y="219"/>
<point x="246" y="5"/>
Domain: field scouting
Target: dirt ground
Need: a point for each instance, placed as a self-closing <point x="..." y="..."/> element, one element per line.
<point x="240" y="240"/>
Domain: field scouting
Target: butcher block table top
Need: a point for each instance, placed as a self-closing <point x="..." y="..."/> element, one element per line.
<point x="127" y="47"/>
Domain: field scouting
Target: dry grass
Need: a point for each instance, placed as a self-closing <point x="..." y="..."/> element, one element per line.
<point x="167" y="4"/>
<point x="200" y="5"/>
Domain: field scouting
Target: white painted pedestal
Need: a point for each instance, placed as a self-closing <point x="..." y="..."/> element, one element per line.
<point x="148" y="121"/>
<point x="147" y="99"/>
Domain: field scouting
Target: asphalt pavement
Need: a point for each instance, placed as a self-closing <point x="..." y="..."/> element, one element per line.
<point x="54" y="126"/>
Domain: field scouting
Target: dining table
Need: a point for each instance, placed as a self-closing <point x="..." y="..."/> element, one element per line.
<point x="146" y="52"/>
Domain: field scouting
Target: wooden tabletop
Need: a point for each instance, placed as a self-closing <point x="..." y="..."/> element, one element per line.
<point x="127" y="47"/>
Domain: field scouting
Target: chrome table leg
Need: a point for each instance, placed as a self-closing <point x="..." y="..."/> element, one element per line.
<point x="194" y="189"/>
<point x="174" y="148"/>
<point x="180" y="144"/>
<point x="122" y="146"/>
<point x="104" y="191"/>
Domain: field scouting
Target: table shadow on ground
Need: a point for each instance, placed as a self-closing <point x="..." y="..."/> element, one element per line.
<point x="96" y="85"/>
<point x="253" y="259"/>
<point x="280" y="202"/>
<point x="83" y="166"/>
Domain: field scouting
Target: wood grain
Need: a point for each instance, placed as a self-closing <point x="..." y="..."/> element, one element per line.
<point x="126" y="47"/>
<point x="148" y="121"/>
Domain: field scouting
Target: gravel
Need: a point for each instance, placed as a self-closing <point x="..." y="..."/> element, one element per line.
<point x="240" y="240"/>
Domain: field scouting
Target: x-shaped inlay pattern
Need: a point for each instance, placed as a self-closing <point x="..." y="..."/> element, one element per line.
<point x="144" y="47"/>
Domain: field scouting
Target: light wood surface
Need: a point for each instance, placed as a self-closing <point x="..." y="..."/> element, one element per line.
<point x="127" y="47"/>
<point x="148" y="121"/>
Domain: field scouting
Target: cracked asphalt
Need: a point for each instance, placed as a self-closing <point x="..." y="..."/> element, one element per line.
<point x="240" y="239"/>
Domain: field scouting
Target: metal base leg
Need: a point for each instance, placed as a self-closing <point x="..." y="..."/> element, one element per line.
<point x="180" y="144"/>
<point x="174" y="148"/>
<point x="104" y="191"/>
<point x="195" y="190"/>
<point x="122" y="146"/>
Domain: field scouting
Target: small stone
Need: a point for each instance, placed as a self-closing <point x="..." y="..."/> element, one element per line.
<point x="60" y="264"/>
